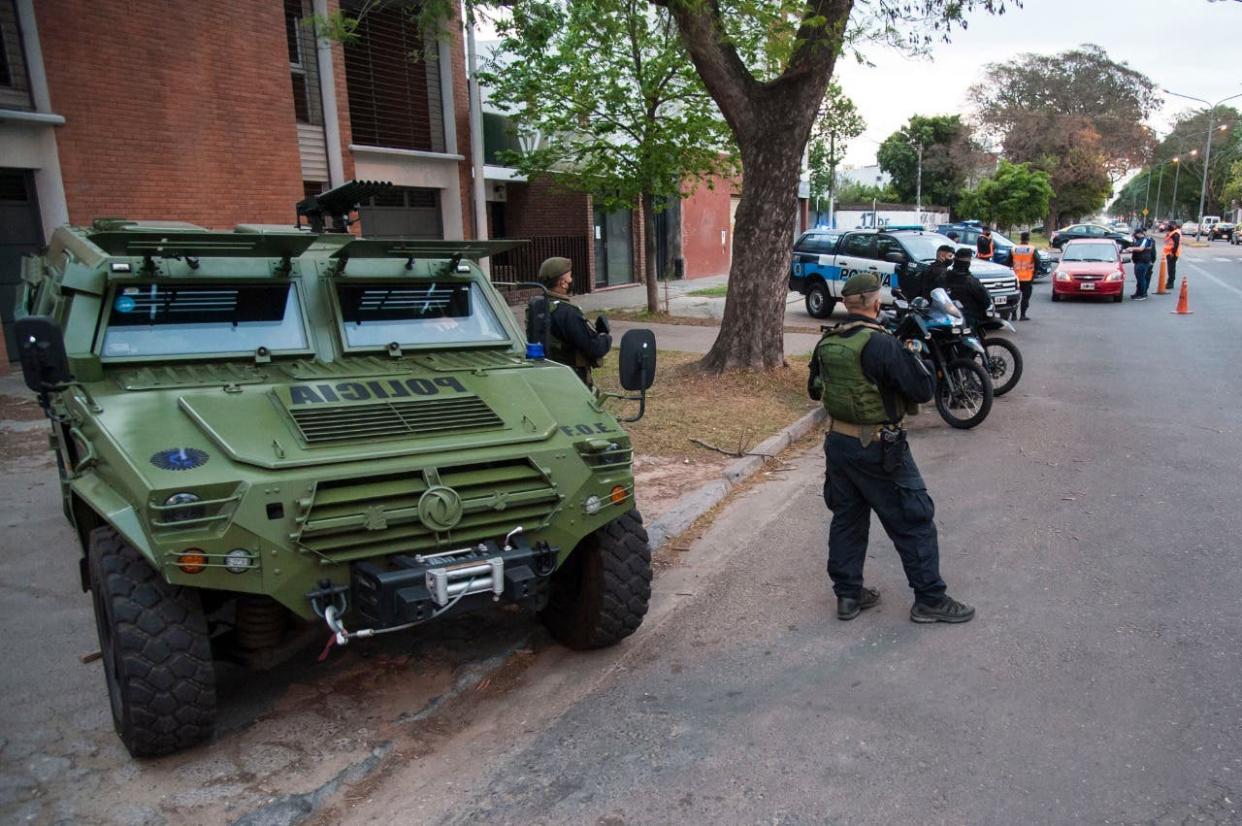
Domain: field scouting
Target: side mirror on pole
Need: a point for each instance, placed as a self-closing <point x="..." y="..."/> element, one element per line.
<point x="637" y="366"/>
<point x="41" y="351"/>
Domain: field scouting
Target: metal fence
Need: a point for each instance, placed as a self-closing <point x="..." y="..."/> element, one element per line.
<point x="522" y="263"/>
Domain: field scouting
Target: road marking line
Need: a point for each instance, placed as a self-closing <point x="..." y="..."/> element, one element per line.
<point x="1227" y="260"/>
<point x="1211" y="277"/>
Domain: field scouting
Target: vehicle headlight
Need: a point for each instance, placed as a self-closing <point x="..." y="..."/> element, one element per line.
<point x="1062" y="275"/>
<point x="592" y="505"/>
<point x="178" y="503"/>
<point x="238" y="561"/>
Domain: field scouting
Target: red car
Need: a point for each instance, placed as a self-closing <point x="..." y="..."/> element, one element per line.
<point x="1089" y="268"/>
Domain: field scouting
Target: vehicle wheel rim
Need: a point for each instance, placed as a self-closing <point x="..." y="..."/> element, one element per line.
<point x="968" y="397"/>
<point x="998" y="366"/>
<point x="817" y="301"/>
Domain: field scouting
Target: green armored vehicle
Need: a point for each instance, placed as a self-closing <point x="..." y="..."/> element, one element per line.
<point x="268" y="434"/>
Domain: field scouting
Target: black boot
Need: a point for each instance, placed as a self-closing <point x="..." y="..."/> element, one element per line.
<point x="850" y="607"/>
<point x="947" y="610"/>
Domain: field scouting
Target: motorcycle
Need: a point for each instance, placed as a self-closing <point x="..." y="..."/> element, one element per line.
<point x="963" y="387"/>
<point x="1002" y="359"/>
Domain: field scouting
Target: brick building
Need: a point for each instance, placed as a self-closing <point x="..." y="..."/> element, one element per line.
<point x="222" y="113"/>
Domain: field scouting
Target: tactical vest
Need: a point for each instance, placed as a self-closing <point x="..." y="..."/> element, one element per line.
<point x="1024" y="262"/>
<point x="848" y="395"/>
<point x="985" y="248"/>
<point x="562" y="352"/>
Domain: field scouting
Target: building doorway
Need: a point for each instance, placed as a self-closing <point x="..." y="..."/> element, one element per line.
<point x="21" y="233"/>
<point x="614" y="247"/>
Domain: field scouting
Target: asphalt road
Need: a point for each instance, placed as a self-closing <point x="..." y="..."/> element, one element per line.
<point x="1092" y="520"/>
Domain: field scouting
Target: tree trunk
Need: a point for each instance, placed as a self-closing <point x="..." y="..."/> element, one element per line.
<point x="752" y="335"/>
<point x="649" y="252"/>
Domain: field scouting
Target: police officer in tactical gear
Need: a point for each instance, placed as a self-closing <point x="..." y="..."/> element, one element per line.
<point x="967" y="290"/>
<point x="868" y="382"/>
<point x="573" y="341"/>
<point x="938" y="272"/>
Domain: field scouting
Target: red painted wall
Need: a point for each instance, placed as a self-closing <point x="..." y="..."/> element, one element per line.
<point x="703" y="216"/>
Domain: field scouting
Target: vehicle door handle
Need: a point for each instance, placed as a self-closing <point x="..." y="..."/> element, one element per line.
<point x="873" y="268"/>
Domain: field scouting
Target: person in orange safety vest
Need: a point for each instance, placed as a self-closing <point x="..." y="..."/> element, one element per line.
<point x="1024" y="267"/>
<point x="1172" y="251"/>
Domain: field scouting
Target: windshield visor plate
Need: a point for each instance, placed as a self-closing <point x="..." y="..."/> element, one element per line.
<point x="439" y="314"/>
<point x="172" y="320"/>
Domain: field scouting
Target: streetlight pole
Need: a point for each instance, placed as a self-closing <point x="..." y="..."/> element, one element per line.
<point x="1207" y="153"/>
<point x="1177" y="164"/>
<point x="919" y="187"/>
<point x="1146" y="201"/>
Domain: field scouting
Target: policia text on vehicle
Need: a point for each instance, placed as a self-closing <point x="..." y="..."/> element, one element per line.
<point x="868" y="382"/>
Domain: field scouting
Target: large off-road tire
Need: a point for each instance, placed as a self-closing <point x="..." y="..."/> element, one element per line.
<point x="600" y="595"/>
<point x="156" y="651"/>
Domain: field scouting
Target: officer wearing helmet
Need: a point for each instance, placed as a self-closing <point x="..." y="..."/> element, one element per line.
<point x="573" y="341"/>
<point x="869" y="381"/>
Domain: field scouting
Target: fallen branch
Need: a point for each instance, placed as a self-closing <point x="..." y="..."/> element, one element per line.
<point x="735" y="454"/>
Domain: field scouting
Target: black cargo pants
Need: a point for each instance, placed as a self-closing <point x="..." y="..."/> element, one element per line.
<point x="855" y="484"/>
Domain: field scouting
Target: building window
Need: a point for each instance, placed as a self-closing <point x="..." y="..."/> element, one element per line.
<point x="303" y="62"/>
<point x="403" y="211"/>
<point x="14" y="80"/>
<point x="393" y="79"/>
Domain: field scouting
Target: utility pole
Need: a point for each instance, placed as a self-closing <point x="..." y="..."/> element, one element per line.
<point x="1147" y="200"/>
<point x="1159" y="186"/>
<point x="1177" y="163"/>
<point x="918" y="192"/>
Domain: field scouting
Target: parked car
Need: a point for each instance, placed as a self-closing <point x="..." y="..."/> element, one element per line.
<point x="1190" y="228"/>
<point x="1091" y="232"/>
<point x="824" y="258"/>
<point x="1222" y="229"/>
<point x="1090" y="267"/>
<point x="968" y="233"/>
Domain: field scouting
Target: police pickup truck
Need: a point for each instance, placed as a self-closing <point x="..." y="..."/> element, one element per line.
<point x="824" y="258"/>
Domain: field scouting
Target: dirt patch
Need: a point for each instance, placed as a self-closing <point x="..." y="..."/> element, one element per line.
<point x="644" y="317"/>
<point x="19" y="409"/>
<point x="17" y="444"/>
<point x="660" y="480"/>
<point x="734" y="412"/>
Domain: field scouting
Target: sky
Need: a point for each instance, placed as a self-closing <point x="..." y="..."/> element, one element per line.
<point x="1187" y="46"/>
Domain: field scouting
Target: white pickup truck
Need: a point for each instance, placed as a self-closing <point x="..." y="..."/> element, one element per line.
<point x="824" y="258"/>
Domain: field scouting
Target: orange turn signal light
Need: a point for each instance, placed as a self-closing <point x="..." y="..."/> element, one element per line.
<point x="192" y="561"/>
<point x="618" y="495"/>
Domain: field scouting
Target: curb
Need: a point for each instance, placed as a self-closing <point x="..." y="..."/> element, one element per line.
<point x="692" y="505"/>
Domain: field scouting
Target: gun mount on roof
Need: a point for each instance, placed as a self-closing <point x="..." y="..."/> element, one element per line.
<point x="336" y="204"/>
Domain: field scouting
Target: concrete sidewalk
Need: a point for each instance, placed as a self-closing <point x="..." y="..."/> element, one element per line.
<point x="687" y="339"/>
<point x="681" y="303"/>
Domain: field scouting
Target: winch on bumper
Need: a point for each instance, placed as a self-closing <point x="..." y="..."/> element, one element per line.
<point x="403" y="589"/>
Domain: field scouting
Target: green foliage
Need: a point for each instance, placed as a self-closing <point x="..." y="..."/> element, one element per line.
<point x="604" y="96"/>
<point x="1187" y="142"/>
<point x="1014" y="194"/>
<point x="950" y="156"/>
<point x="836" y="125"/>
<point x="1232" y="190"/>
<point x="853" y="192"/>
<point x="1079" y="115"/>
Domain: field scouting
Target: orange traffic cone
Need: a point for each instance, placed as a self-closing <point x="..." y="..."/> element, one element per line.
<point x="1183" y="300"/>
<point x="1162" y="285"/>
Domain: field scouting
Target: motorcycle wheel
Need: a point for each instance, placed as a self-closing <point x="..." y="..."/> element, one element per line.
<point x="1004" y="364"/>
<point x="969" y="401"/>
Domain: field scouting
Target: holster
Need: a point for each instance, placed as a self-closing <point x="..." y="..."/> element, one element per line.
<point x="892" y="448"/>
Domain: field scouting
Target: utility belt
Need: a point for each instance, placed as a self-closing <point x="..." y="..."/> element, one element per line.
<point x="892" y="439"/>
